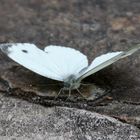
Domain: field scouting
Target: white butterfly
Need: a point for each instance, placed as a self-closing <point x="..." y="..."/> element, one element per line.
<point x="61" y="63"/>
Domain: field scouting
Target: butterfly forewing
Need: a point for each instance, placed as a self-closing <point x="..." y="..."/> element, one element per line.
<point x="31" y="57"/>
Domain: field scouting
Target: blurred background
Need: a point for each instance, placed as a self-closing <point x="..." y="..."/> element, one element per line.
<point x="92" y="26"/>
<point x="80" y="24"/>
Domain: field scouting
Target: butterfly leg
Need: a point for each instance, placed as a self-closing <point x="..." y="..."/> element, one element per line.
<point x="61" y="90"/>
<point x="69" y="94"/>
<point x="80" y="93"/>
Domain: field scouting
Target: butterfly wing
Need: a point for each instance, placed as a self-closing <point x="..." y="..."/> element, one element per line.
<point x="106" y="60"/>
<point x="68" y="61"/>
<point x="53" y="63"/>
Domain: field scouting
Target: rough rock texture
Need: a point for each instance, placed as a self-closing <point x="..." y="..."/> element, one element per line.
<point x="94" y="27"/>
<point x="30" y="121"/>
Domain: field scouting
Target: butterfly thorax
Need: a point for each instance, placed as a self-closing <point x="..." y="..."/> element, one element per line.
<point x="71" y="83"/>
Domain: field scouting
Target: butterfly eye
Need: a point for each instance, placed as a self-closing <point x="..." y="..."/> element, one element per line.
<point x="25" y="51"/>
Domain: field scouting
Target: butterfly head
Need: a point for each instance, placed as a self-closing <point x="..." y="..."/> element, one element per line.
<point x="71" y="83"/>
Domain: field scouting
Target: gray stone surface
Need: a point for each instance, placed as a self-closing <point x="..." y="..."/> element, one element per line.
<point x="23" y="120"/>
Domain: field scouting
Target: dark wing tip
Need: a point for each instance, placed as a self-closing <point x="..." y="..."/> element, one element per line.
<point x="5" y="47"/>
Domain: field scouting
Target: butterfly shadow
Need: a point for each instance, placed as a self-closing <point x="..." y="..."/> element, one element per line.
<point x="123" y="82"/>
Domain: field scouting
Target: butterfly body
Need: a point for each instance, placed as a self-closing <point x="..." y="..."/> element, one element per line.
<point x="71" y="83"/>
<point x="61" y="63"/>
